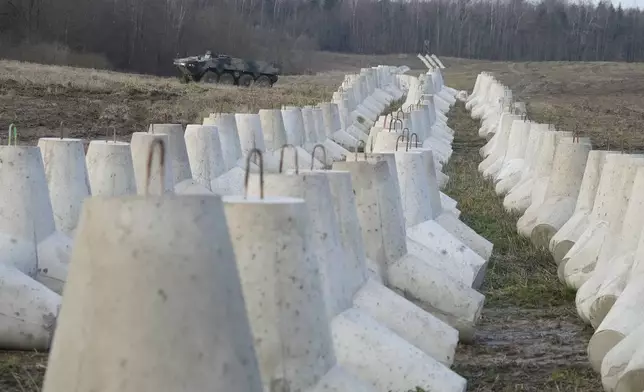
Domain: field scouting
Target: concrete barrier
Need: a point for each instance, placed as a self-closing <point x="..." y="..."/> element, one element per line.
<point x="228" y="137"/>
<point x="110" y="169"/>
<point x="334" y="150"/>
<point x="613" y="262"/>
<point x="138" y="334"/>
<point x="617" y="358"/>
<point x="66" y="175"/>
<point x="562" y="191"/>
<point x="568" y="234"/>
<point x="497" y="147"/>
<point x="283" y="293"/>
<point x="29" y="240"/>
<point x="204" y="152"/>
<point x="385" y="240"/>
<point x="177" y="152"/>
<point x="622" y="255"/>
<point x="514" y="160"/>
<point x="28" y="311"/>
<point x="160" y="178"/>
<point x="348" y="324"/>
<point x="541" y="179"/>
<point x="632" y="378"/>
<point x="610" y="205"/>
<point x="294" y="126"/>
<point x="520" y="195"/>
<point x="418" y="327"/>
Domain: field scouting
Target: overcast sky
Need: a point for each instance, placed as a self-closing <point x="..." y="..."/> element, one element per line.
<point x="629" y="3"/>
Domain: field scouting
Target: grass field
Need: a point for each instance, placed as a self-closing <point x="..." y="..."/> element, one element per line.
<point x="530" y="338"/>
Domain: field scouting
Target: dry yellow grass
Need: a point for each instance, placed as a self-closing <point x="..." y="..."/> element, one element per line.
<point x="38" y="98"/>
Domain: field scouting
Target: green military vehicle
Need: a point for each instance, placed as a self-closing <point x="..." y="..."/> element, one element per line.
<point x="224" y="69"/>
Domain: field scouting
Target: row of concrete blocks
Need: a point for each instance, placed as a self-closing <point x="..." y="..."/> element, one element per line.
<point x="584" y="205"/>
<point x="300" y="296"/>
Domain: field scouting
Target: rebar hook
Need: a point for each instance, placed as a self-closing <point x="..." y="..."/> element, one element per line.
<point x="323" y="155"/>
<point x="62" y="132"/>
<point x="364" y="149"/>
<point x="161" y="144"/>
<point x="251" y="154"/>
<point x="623" y="144"/>
<point x="107" y="134"/>
<point x="402" y="124"/>
<point x="409" y="141"/>
<point x="297" y="166"/>
<point x="12" y="127"/>
<point x="398" y="139"/>
<point x="408" y="133"/>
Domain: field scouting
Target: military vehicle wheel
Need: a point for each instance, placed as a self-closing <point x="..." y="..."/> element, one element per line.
<point x="210" y="77"/>
<point x="227" y="78"/>
<point x="263" y="81"/>
<point x="246" y="80"/>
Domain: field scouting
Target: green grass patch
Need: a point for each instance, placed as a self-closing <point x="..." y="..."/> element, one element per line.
<point x="518" y="274"/>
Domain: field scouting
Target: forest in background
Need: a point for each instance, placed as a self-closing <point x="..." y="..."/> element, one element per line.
<point x="145" y="35"/>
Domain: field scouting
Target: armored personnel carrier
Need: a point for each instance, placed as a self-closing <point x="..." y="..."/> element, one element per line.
<point x="227" y="70"/>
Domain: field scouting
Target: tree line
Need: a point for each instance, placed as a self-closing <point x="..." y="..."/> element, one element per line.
<point x="145" y="35"/>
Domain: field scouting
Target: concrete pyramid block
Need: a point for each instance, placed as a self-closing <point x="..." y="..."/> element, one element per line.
<point x="28" y="237"/>
<point x="338" y="294"/>
<point x="136" y="340"/>
<point x="228" y="137"/>
<point x="110" y="168"/>
<point x="66" y="175"/>
<point x="568" y="234"/>
<point x="420" y="328"/>
<point x="385" y="241"/>
<point x="177" y="151"/>
<point x="28" y="311"/>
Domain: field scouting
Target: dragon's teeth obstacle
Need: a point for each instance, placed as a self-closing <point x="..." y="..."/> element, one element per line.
<point x="583" y="205"/>
<point x="384" y="304"/>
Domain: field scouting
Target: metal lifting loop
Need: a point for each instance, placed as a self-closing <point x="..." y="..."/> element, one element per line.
<point x="107" y="135"/>
<point x="323" y="155"/>
<point x="161" y="145"/>
<point x="623" y="144"/>
<point x="297" y="166"/>
<point x="409" y="141"/>
<point x="364" y="149"/>
<point x="260" y="158"/>
<point x="396" y="123"/>
<point x="62" y="132"/>
<point x="408" y="132"/>
<point x="399" y="112"/>
<point x="399" y="138"/>
<point x="12" y="127"/>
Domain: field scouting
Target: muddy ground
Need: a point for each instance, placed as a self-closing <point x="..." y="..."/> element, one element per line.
<point x="529" y="338"/>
